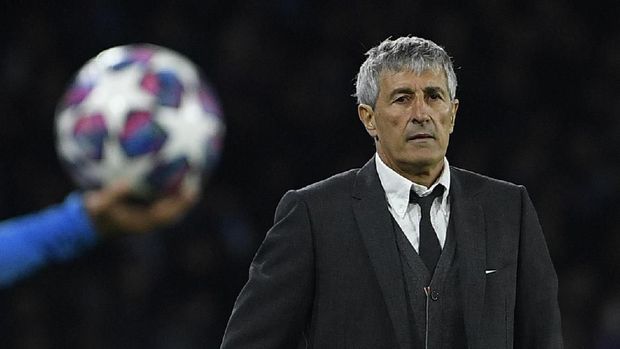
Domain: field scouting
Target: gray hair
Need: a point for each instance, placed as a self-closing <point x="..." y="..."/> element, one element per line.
<point x="407" y="53"/>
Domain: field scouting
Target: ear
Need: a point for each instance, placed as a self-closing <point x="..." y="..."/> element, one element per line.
<point x="455" y="107"/>
<point x="367" y="117"/>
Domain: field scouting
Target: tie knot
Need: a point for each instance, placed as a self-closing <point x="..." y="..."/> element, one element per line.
<point x="425" y="202"/>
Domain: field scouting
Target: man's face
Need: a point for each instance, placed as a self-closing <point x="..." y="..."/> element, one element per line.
<point x="412" y="121"/>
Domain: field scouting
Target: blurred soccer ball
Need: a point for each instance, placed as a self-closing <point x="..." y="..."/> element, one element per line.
<point x="142" y="114"/>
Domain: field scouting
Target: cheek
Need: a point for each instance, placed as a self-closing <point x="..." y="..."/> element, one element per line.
<point x="393" y="120"/>
<point x="445" y="119"/>
<point x="445" y="125"/>
<point x="391" y="124"/>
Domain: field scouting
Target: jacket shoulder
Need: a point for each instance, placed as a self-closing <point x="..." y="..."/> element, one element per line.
<point x="338" y="184"/>
<point x="327" y="195"/>
<point x="478" y="183"/>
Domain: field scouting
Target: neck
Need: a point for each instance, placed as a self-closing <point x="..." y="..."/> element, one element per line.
<point x="425" y="177"/>
<point x="423" y="174"/>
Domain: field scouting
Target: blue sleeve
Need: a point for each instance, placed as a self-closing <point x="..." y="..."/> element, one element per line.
<point x="55" y="234"/>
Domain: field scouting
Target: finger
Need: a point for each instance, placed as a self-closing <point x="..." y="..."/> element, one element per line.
<point x="101" y="200"/>
<point x="130" y="218"/>
<point x="171" y="209"/>
<point x="162" y="212"/>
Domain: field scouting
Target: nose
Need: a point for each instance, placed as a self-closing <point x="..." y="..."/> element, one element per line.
<point x="419" y="111"/>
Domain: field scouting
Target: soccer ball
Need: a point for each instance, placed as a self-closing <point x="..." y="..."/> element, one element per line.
<point x="141" y="114"/>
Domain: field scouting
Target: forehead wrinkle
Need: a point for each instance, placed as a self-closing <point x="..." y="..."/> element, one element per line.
<point x="385" y="73"/>
<point x="411" y="90"/>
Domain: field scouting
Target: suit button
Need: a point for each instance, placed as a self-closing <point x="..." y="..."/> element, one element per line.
<point x="435" y="295"/>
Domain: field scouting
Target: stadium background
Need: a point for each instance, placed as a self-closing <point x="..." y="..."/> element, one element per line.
<point x="538" y="85"/>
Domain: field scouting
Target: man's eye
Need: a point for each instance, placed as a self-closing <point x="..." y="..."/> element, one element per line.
<point x="434" y="96"/>
<point x="401" y="99"/>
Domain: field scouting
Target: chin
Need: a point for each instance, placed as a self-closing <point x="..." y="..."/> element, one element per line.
<point x="422" y="163"/>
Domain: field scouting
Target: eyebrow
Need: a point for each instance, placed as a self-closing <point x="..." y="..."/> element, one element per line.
<point x="405" y="90"/>
<point x="435" y="89"/>
<point x="427" y="90"/>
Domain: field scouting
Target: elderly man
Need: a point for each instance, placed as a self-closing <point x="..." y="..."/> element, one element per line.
<point x="406" y="252"/>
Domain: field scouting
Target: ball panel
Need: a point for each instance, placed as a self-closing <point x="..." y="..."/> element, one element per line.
<point x="76" y="95"/>
<point x="208" y="100"/>
<point x="90" y="132"/>
<point x="141" y="134"/>
<point x="167" y="177"/>
<point x="166" y="86"/>
<point x="140" y="55"/>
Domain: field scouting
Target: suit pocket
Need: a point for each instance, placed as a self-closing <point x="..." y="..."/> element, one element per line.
<point x="494" y="318"/>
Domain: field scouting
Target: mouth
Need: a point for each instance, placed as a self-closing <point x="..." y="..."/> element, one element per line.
<point x="420" y="137"/>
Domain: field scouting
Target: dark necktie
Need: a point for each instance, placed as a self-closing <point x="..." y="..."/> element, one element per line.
<point x="429" y="249"/>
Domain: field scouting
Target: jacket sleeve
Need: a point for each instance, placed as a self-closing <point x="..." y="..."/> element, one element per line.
<point x="537" y="313"/>
<point x="55" y="234"/>
<point x="272" y="309"/>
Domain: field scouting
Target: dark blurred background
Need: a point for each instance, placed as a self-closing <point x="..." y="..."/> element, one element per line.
<point x="540" y="106"/>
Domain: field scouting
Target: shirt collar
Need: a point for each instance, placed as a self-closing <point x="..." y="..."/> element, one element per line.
<point x="397" y="187"/>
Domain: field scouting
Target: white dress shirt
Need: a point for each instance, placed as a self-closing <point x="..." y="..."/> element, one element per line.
<point x="397" y="189"/>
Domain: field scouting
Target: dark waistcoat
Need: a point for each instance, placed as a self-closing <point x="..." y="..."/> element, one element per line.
<point x="435" y="307"/>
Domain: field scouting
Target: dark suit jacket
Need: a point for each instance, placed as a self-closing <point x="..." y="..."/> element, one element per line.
<point x="328" y="272"/>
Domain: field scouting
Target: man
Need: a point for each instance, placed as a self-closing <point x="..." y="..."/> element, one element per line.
<point x="64" y="231"/>
<point x="405" y="252"/>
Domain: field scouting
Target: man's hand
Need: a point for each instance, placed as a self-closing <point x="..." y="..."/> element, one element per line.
<point x="112" y="212"/>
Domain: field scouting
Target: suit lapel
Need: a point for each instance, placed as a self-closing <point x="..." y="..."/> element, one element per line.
<point x="373" y="218"/>
<point x="471" y="250"/>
